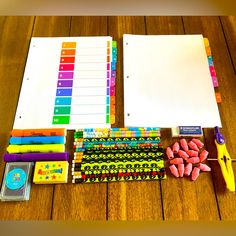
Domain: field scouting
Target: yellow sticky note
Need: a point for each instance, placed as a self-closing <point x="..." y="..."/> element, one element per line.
<point x="50" y="172"/>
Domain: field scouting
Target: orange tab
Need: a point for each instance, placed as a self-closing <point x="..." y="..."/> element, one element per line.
<point x="112" y="110"/>
<point x="108" y="58"/>
<point x="113" y="99"/>
<point x="108" y="51"/>
<point x="69" y="45"/>
<point x="218" y="98"/>
<point x="208" y="51"/>
<point x="68" y="52"/>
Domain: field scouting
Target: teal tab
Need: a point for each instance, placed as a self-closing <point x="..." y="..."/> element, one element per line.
<point x="63" y="101"/>
<point x="114" y="44"/>
<point x="114" y="51"/>
<point x="61" y="110"/>
<point x="108" y="109"/>
<point x="59" y="120"/>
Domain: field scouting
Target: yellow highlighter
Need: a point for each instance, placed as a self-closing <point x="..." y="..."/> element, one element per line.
<point x="225" y="161"/>
<point x="36" y="148"/>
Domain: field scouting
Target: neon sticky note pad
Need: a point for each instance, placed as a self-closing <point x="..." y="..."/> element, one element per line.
<point x="63" y="78"/>
<point x="167" y="82"/>
<point x="51" y="172"/>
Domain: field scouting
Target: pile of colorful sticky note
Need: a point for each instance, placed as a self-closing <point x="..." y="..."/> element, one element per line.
<point x="186" y="158"/>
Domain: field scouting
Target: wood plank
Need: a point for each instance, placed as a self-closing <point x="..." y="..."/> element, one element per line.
<point x="229" y="28"/>
<point x="184" y="200"/>
<point x="130" y="200"/>
<point x="85" y="201"/>
<point x="211" y="27"/>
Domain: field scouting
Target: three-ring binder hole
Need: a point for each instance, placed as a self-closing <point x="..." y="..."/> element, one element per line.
<point x="127" y="44"/>
<point x="27" y="78"/>
<point x="19" y="117"/>
<point x="128" y="114"/>
<point x="127" y="76"/>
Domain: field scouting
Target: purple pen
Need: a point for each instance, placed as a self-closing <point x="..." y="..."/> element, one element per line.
<point x="49" y="156"/>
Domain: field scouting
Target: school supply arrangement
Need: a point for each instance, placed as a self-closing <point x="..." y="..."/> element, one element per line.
<point x="126" y="156"/>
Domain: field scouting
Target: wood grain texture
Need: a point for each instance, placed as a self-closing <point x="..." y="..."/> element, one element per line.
<point x="130" y="200"/>
<point x="229" y="28"/>
<point x="82" y="201"/>
<point x="14" y="40"/>
<point x="211" y="28"/>
<point x="183" y="199"/>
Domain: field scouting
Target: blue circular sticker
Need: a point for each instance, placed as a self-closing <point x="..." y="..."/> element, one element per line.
<point x="15" y="179"/>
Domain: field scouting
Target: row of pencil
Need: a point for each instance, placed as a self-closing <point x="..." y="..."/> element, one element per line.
<point x="101" y="157"/>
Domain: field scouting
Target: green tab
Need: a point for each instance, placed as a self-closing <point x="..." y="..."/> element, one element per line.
<point x="108" y="109"/>
<point x="61" y="120"/>
<point x="114" y="44"/>
<point x="61" y="110"/>
<point x="108" y="119"/>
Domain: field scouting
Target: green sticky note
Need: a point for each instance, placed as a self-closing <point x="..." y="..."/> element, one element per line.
<point x="61" y="120"/>
<point x="61" y="110"/>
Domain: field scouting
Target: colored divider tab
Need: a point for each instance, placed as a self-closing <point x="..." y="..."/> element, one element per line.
<point x="215" y="81"/>
<point x="108" y="58"/>
<point x="114" y="51"/>
<point x="107" y="119"/>
<point x="112" y="109"/>
<point x="114" y="44"/>
<point x="113" y="66"/>
<point x="67" y="60"/>
<point x="108" y="100"/>
<point x="64" y="92"/>
<point x="68" y="44"/>
<point x="108" y="83"/>
<point x="212" y="70"/>
<point x="108" y="109"/>
<point x="108" y="91"/>
<point x="112" y="99"/>
<point x="67" y="52"/>
<point x="108" y="66"/>
<point x="108" y="74"/>
<point x="113" y="82"/>
<point x="218" y="98"/>
<point x="66" y="67"/>
<point x="112" y="91"/>
<point x="113" y="74"/>
<point x="59" y="110"/>
<point x="108" y="44"/>
<point x="63" y="101"/>
<point x="208" y="51"/>
<point x="112" y="119"/>
<point x="65" y="75"/>
<point x="61" y="120"/>
<point x="64" y="83"/>
<point x="210" y="61"/>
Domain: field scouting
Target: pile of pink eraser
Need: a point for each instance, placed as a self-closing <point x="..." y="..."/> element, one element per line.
<point x="187" y="157"/>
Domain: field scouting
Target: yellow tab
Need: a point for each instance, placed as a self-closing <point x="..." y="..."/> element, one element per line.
<point x="206" y="42"/>
<point x="69" y="45"/>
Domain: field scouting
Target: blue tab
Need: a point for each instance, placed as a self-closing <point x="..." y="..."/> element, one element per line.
<point x="63" y="101"/>
<point x="210" y="61"/>
<point x="108" y="100"/>
<point x="64" y="92"/>
<point x="113" y="66"/>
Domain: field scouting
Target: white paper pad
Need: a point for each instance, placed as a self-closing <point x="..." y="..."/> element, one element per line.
<point x="167" y="82"/>
<point x="45" y="94"/>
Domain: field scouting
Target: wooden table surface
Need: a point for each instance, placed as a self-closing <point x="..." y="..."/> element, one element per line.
<point x="171" y="199"/>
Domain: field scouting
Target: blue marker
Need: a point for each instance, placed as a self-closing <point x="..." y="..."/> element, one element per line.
<point x="37" y="140"/>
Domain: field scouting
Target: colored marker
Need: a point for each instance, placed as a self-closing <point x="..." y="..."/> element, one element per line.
<point x="38" y="132"/>
<point x="25" y="157"/>
<point x="37" y="140"/>
<point x="36" y="148"/>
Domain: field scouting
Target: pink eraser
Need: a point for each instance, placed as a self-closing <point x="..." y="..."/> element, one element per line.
<point x="195" y="173"/>
<point x="192" y="153"/>
<point x="176" y="161"/>
<point x="174" y="170"/>
<point x="204" y="167"/>
<point x="188" y="169"/>
<point x="203" y="155"/>
<point x="175" y="147"/>
<point x="183" y="154"/>
<point x="183" y="144"/>
<point x="193" y="146"/>
<point x="193" y="160"/>
<point x="198" y="142"/>
<point x="181" y="170"/>
<point x="169" y="153"/>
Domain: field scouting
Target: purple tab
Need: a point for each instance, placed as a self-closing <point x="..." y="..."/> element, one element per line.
<point x="113" y="74"/>
<point x="108" y="91"/>
<point x="215" y="81"/>
<point x="64" y="83"/>
<point x="108" y="74"/>
<point x="108" y="83"/>
<point x="66" y="75"/>
<point x="64" y="92"/>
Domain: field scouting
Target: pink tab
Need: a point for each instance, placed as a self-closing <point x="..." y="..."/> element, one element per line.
<point x="66" y="67"/>
<point x="108" y="66"/>
<point x="112" y="91"/>
<point x="215" y="81"/>
<point x="212" y="70"/>
<point x="65" y="75"/>
<point x="113" y="82"/>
